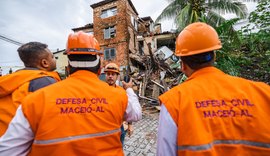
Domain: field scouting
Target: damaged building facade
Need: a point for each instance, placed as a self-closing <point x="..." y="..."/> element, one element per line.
<point x="135" y="43"/>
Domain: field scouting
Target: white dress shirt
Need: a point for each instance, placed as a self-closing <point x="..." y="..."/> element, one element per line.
<point x="134" y="109"/>
<point x="167" y="134"/>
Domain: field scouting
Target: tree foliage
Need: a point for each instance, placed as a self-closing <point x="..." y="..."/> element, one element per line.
<point x="231" y="43"/>
<point x="185" y="12"/>
<point x="256" y="44"/>
<point x="261" y="16"/>
<point x="247" y="54"/>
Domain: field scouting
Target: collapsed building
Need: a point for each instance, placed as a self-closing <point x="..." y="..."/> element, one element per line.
<point x="136" y="44"/>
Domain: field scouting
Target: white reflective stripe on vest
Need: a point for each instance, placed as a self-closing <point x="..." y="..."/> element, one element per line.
<point x="223" y="142"/>
<point x="70" y="138"/>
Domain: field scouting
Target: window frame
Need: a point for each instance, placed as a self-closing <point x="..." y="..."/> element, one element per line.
<point x="109" y="32"/>
<point x="108" y="53"/>
<point x="134" y="22"/>
<point x="108" y="12"/>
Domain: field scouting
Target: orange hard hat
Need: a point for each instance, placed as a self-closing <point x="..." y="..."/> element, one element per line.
<point x="82" y="43"/>
<point x="112" y="67"/>
<point x="197" y="38"/>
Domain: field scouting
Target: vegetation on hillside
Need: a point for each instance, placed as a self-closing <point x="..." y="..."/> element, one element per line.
<point x="248" y="53"/>
<point x="245" y="53"/>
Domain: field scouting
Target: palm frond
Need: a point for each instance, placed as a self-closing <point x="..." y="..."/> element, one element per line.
<point x="170" y="1"/>
<point x="227" y="6"/>
<point x="226" y="29"/>
<point x="214" y="19"/>
<point x="184" y="17"/>
<point x="170" y="12"/>
<point x="250" y="0"/>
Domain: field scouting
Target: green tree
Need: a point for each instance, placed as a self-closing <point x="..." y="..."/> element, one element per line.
<point x="255" y="46"/>
<point x="261" y="16"/>
<point x="227" y="57"/>
<point x="185" y="12"/>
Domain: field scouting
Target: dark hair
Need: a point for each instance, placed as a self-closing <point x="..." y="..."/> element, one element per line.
<point x="31" y="53"/>
<point x="82" y="57"/>
<point x="199" y="61"/>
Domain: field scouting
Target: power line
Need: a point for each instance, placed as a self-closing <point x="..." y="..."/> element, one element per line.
<point x="12" y="41"/>
<point x="7" y="39"/>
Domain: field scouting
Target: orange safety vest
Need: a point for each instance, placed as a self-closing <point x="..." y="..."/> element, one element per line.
<point x="220" y="115"/>
<point x="13" y="89"/>
<point x="80" y="115"/>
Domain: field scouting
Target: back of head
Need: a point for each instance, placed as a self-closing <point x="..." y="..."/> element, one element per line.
<point x="83" y="52"/>
<point x="196" y="43"/>
<point x="31" y="53"/>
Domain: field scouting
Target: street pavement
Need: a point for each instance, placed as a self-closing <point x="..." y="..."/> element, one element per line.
<point x="143" y="140"/>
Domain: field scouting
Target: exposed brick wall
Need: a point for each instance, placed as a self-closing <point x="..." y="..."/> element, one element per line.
<point x="124" y="32"/>
<point x="121" y="58"/>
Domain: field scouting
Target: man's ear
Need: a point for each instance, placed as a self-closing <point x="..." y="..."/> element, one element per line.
<point x="99" y="71"/>
<point x="44" y="63"/>
<point x="183" y="66"/>
<point x="67" y="70"/>
<point x="186" y="69"/>
<point x="100" y="66"/>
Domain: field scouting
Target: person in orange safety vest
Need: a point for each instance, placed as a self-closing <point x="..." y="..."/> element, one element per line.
<point x="80" y="115"/>
<point x="212" y="113"/>
<point x="112" y="72"/>
<point x="38" y="73"/>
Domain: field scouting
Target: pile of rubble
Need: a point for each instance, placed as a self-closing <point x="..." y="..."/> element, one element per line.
<point x="154" y="74"/>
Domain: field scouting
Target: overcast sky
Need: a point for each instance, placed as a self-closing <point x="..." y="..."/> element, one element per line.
<point x="50" y="22"/>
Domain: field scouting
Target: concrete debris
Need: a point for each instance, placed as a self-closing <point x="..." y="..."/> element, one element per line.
<point x="154" y="74"/>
